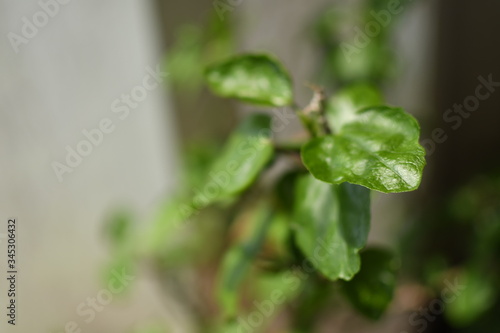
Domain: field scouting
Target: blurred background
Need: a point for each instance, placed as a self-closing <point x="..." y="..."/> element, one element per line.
<point x="126" y="76"/>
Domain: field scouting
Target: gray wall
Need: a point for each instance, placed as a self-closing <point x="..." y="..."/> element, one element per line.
<point x="61" y="82"/>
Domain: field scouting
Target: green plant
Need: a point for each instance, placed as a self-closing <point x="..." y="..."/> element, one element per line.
<point x="285" y="222"/>
<point x="318" y="209"/>
<point x="298" y="212"/>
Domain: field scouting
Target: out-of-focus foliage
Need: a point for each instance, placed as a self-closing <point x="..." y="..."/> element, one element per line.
<point x="248" y="150"/>
<point x="195" y="47"/>
<point x="118" y="228"/>
<point x="477" y="207"/>
<point x="478" y="296"/>
<point x="238" y="259"/>
<point x="371" y="290"/>
<point x="356" y="41"/>
<point x="471" y="216"/>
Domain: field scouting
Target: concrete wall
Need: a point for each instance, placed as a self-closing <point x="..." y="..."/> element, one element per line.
<point x="64" y="79"/>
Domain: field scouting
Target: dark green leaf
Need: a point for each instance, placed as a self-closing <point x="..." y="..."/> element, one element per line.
<point x="332" y="224"/>
<point x="249" y="149"/>
<point x="378" y="149"/>
<point x="354" y="202"/>
<point x="254" y="78"/>
<point x="239" y="259"/>
<point x="284" y="191"/>
<point x="372" y="289"/>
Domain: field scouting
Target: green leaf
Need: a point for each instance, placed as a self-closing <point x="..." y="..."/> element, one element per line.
<point x="373" y="63"/>
<point x="170" y="236"/>
<point x="284" y="191"/>
<point x="378" y="149"/>
<point x="278" y="241"/>
<point x="255" y="78"/>
<point x="235" y="267"/>
<point x="249" y="149"/>
<point x="118" y="228"/>
<point x="470" y="295"/>
<point x="184" y="61"/>
<point x="354" y="202"/>
<point x="372" y="289"/>
<point x="279" y="287"/>
<point x="332" y="224"/>
<point x="121" y="263"/>
<point x="342" y="108"/>
<point x="166" y="222"/>
<point x="270" y="293"/>
<point x="238" y="261"/>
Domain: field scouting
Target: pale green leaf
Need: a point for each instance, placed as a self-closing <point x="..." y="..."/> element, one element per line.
<point x="249" y="149"/>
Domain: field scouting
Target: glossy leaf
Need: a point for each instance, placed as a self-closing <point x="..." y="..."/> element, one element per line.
<point x="342" y="107"/>
<point x="331" y="225"/>
<point x="378" y="149"/>
<point x="254" y="78"/>
<point x="249" y="149"/>
<point x="372" y="289"/>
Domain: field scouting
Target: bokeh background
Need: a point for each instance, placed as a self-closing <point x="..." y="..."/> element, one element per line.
<point x="66" y="77"/>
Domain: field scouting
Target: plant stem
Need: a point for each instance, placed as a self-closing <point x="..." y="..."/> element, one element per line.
<point x="313" y="116"/>
<point x="288" y="147"/>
